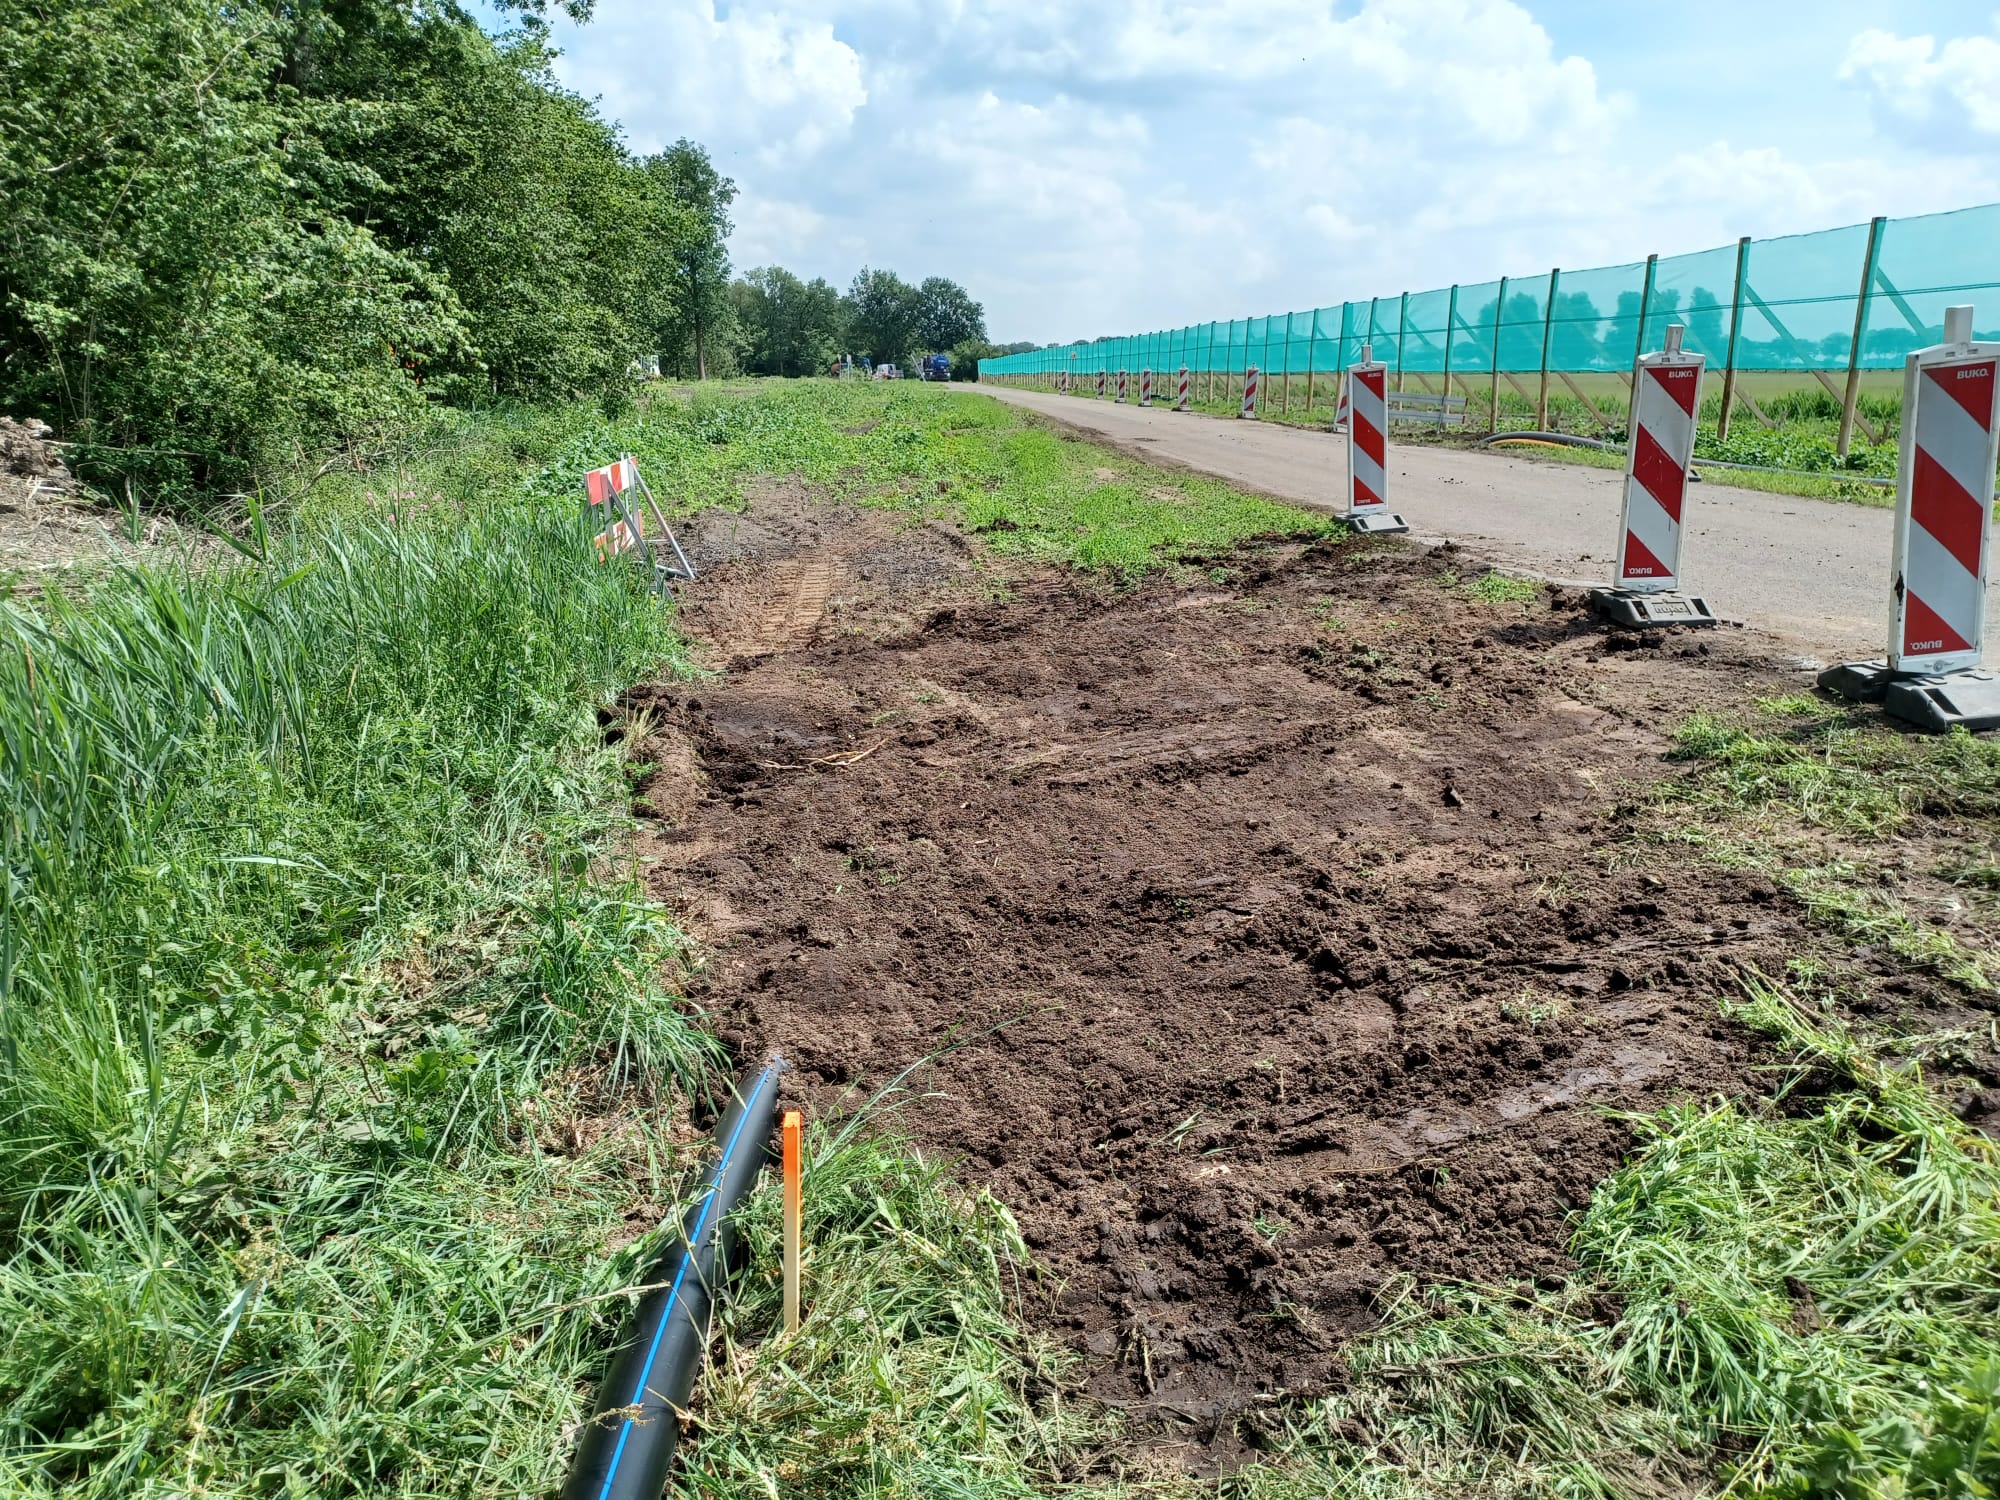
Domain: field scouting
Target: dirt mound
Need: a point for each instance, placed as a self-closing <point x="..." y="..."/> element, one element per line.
<point x="1263" y="926"/>
<point x="30" y="469"/>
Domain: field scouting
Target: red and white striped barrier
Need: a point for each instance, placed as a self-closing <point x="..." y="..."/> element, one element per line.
<point x="1666" y="396"/>
<point x="1368" y="447"/>
<point x="1181" y="396"/>
<point x="1121" y="385"/>
<point x="1944" y="496"/>
<point x="609" y="501"/>
<point x="1146" y="387"/>
<point x="1100" y="385"/>
<point x="1249" y="410"/>
<point x="1944" y="504"/>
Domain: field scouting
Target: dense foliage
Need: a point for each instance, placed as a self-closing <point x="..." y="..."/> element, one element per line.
<point x="230" y="235"/>
<point x="787" y="326"/>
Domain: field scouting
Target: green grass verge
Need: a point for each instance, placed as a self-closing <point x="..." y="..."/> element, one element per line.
<point x="927" y="450"/>
<point x="1826" y="799"/>
<point x="1809" y="486"/>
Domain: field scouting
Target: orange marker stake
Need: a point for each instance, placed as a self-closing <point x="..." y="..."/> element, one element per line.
<point x="790" y="1130"/>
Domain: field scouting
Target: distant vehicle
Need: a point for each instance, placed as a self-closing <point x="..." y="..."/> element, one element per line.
<point x="935" y="367"/>
<point x="888" y="372"/>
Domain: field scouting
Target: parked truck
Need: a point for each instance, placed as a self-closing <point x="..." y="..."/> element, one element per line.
<point x="935" y="367"/>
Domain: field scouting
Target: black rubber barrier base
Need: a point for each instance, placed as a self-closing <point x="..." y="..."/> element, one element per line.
<point x="1633" y="611"/>
<point x="1957" y="700"/>
<point x="1857" y="681"/>
<point x="1937" y="703"/>
<point x="1378" y="525"/>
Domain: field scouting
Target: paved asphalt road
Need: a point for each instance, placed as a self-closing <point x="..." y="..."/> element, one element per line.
<point x="1815" y="572"/>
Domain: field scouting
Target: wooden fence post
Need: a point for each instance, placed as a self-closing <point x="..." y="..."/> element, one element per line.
<point x="1402" y="332"/>
<point x="1450" y="329"/>
<point x="1853" y="391"/>
<point x="1312" y="342"/>
<point x="1499" y="312"/>
<point x="1735" y="323"/>
<point x="1548" y="327"/>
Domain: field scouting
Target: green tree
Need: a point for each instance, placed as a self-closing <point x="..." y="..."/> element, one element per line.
<point x="176" y="292"/>
<point x="791" y="327"/>
<point x="947" y="315"/>
<point x="884" y="313"/>
<point x="699" y="261"/>
<point x="462" y="150"/>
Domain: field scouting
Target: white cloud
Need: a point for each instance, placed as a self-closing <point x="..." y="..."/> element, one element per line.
<point x="1099" y="169"/>
<point x="783" y="86"/>
<point x="1948" y="96"/>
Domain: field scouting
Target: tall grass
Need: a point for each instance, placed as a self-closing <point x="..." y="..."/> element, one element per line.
<point x="306" y="1004"/>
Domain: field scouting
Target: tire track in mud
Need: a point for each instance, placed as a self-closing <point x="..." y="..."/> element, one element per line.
<point x="1279" y="953"/>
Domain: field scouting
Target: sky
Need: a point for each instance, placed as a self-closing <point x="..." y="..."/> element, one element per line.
<point x="1098" y="167"/>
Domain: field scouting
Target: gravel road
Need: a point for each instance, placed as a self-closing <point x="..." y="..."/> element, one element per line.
<point x="1813" y="571"/>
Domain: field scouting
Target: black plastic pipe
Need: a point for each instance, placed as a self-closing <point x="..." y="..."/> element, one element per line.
<point x="628" y="1445"/>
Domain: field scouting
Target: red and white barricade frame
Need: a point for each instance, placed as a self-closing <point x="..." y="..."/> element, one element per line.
<point x="1100" y="385"/>
<point x="1646" y="578"/>
<point x="1932" y="676"/>
<point x="1944" y="499"/>
<point x="613" y="512"/>
<point x="1249" y="411"/>
<point x="1666" y="395"/>
<point x="1146" y="386"/>
<point x="1368" y="447"/>
<point x="618" y="530"/>
<point x="1181" y="394"/>
<point x="1121" y="385"/>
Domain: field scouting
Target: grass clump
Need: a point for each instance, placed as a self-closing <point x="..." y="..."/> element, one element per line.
<point x="908" y="1375"/>
<point x="1496" y="588"/>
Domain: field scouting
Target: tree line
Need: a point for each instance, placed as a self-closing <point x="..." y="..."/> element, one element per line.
<point x="784" y="325"/>
<point x="232" y="235"/>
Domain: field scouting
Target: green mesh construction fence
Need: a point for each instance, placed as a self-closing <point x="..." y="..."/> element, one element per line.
<point x="1786" y="304"/>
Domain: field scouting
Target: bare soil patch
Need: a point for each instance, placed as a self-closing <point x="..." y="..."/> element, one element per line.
<point x="48" y="522"/>
<point x="1265" y="914"/>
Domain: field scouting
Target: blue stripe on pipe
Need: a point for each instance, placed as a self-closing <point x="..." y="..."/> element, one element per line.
<point x="673" y="1295"/>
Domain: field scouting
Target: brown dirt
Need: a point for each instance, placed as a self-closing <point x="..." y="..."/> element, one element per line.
<point x="1265" y="929"/>
<point x="47" y="521"/>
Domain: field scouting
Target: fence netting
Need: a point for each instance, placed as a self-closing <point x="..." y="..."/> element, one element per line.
<point x="1783" y="304"/>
